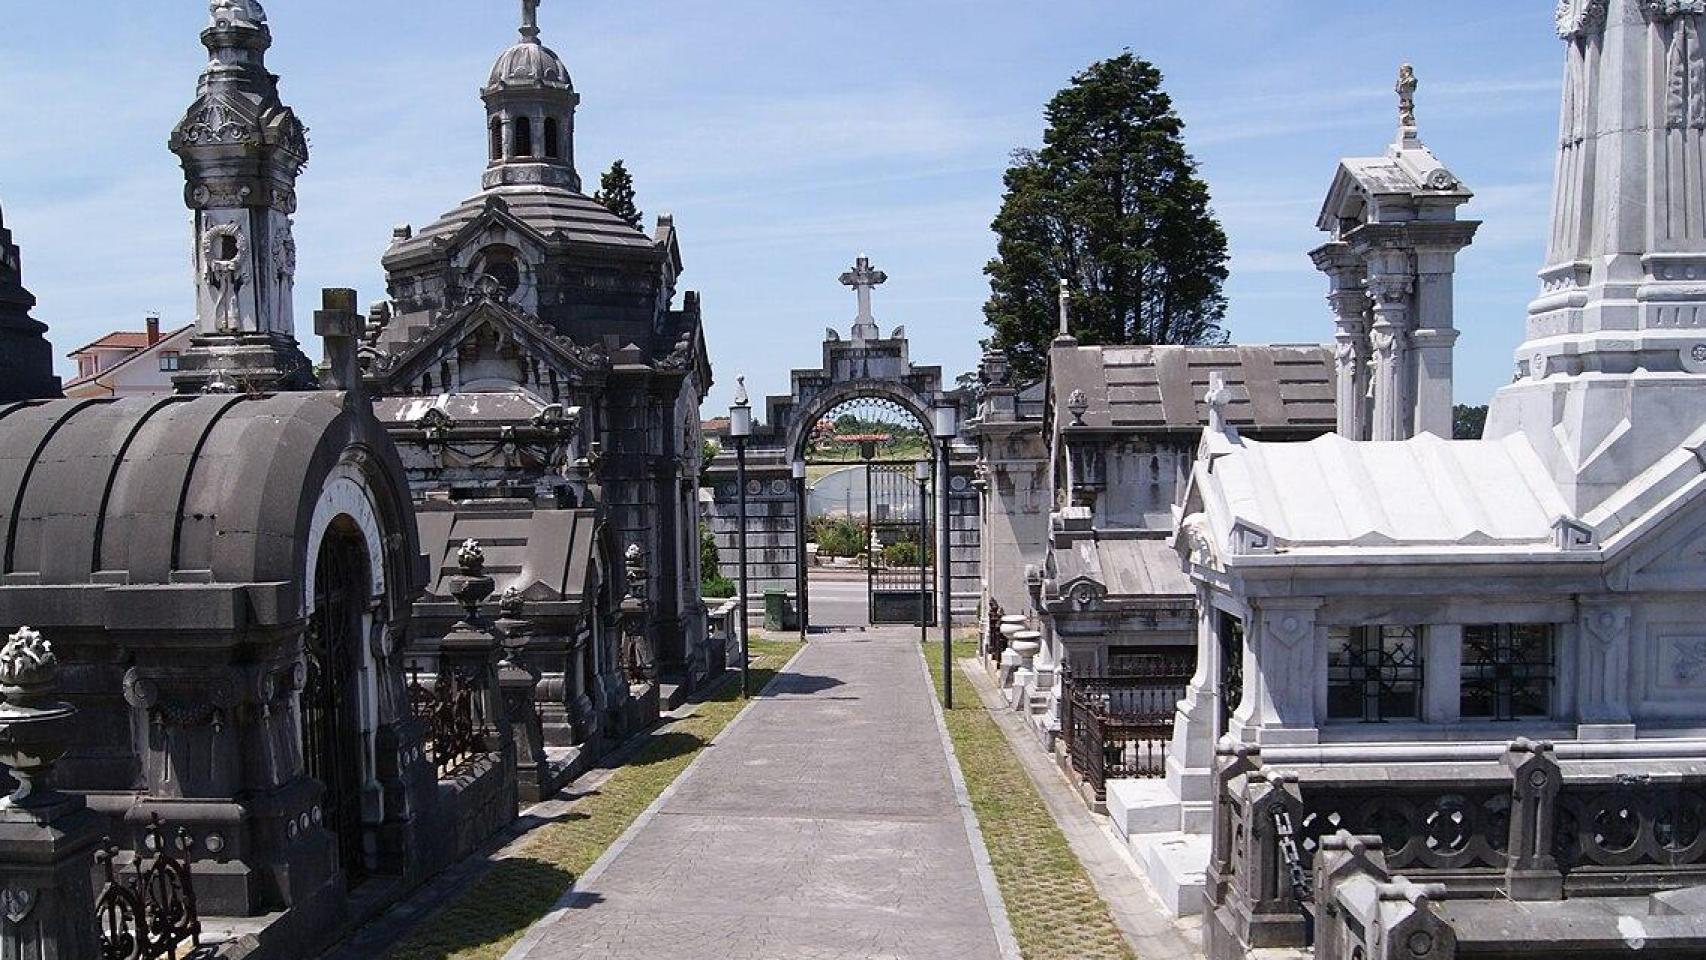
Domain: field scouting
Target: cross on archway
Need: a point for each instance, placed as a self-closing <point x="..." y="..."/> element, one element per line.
<point x="863" y="278"/>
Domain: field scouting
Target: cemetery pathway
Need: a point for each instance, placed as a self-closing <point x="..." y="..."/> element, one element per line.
<point x="825" y="824"/>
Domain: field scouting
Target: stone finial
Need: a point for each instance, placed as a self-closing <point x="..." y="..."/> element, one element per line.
<point x="1406" y="89"/>
<point x="741" y="398"/>
<point x="530" y="20"/>
<point x="27" y="660"/>
<point x="1218" y="397"/>
<point x="1077" y="404"/>
<point x="1065" y="310"/>
<point x="470" y="559"/>
<point x="512" y="604"/>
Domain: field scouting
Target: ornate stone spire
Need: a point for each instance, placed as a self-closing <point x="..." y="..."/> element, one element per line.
<point x="1613" y="372"/>
<point x="242" y="150"/>
<point x="26" y="358"/>
<point x="530" y="113"/>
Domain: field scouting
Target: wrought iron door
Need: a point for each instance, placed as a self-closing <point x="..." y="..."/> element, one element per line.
<point x="1231" y="668"/>
<point x="900" y="553"/>
<point x="331" y="719"/>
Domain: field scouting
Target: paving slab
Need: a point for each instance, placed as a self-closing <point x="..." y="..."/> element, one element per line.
<point x="825" y="824"/>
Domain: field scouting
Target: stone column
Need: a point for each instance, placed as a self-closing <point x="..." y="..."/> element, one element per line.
<point x="1532" y="873"/>
<point x="47" y="900"/>
<point x="1390" y="337"/>
<point x="1442" y="673"/>
<point x="1349" y="301"/>
<point x="1435" y="336"/>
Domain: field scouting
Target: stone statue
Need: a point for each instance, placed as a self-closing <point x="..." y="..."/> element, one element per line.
<point x="1218" y="397"/>
<point x="1407" y="95"/>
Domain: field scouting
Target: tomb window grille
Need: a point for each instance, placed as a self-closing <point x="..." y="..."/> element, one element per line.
<point x="553" y="139"/>
<point x="1508" y="671"/>
<point x="1231" y="668"/>
<point x="1374" y="674"/>
<point x="497" y="138"/>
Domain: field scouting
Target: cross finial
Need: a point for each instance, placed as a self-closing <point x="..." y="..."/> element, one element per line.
<point x="863" y="278"/>
<point x="530" y="19"/>
<point x="1065" y="310"/>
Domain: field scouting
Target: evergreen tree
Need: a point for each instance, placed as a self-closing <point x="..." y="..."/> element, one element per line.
<point x="1113" y="205"/>
<point x="616" y="192"/>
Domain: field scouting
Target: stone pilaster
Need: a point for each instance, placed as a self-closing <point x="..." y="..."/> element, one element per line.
<point x="1603" y="670"/>
<point x="1190" y="756"/>
<point x="1280" y="672"/>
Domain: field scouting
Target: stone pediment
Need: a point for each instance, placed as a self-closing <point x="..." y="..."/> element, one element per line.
<point x="495" y="217"/>
<point x="1671" y="557"/>
<point x="490" y="337"/>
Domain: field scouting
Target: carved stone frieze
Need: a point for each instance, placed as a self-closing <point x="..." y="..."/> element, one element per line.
<point x="1662" y="10"/>
<point x="1580" y="18"/>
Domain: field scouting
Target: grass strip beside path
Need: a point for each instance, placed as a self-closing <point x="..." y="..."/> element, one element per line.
<point x="1055" y="911"/>
<point x="488" y="918"/>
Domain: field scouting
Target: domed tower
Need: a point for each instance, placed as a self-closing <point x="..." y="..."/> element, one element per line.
<point x="26" y="358"/>
<point x="530" y="113"/>
<point x="242" y="150"/>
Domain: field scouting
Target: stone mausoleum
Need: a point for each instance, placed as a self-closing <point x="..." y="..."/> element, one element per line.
<point x="1483" y="659"/>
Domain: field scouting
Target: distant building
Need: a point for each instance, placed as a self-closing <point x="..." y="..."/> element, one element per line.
<point x="129" y="363"/>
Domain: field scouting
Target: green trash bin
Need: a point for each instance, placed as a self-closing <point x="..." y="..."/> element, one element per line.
<point x="779" y="613"/>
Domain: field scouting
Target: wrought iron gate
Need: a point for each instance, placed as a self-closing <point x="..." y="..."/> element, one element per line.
<point x="900" y="557"/>
<point x="331" y="721"/>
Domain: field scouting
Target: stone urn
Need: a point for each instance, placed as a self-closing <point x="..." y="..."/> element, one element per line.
<point x="1010" y="625"/>
<point x="34" y="723"/>
<point x="1026" y="644"/>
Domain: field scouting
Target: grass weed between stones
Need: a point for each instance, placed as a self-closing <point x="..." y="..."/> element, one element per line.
<point x="488" y="918"/>
<point x="1055" y="911"/>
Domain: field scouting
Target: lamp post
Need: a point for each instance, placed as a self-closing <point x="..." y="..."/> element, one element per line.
<point x="740" y="429"/>
<point x="921" y="473"/>
<point x="802" y="583"/>
<point x="945" y="425"/>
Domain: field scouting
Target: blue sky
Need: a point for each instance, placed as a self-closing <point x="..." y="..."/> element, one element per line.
<point x="786" y="137"/>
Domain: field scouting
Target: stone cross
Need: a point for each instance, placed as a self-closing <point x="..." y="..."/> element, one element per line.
<point x="530" y="19"/>
<point x="864" y="279"/>
<point x="1065" y="310"/>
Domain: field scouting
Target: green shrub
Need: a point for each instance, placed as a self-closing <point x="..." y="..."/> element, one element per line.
<point x="718" y="587"/>
<point x="709" y="559"/>
<point x="839" y="536"/>
<point x="902" y="554"/>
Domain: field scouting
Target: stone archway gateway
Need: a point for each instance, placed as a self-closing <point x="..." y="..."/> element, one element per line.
<point x="870" y="381"/>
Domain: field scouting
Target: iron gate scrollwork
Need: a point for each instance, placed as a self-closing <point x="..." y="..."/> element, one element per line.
<point x="151" y="913"/>
<point x="900" y="543"/>
<point x="331" y="720"/>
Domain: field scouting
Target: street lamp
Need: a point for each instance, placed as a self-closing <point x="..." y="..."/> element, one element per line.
<point x="801" y="581"/>
<point x="740" y="430"/>
<point x="921" y="473"/>
<point x="945" y="425"/>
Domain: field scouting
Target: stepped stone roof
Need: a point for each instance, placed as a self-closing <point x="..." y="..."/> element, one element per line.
<point x="1274" y="387"/>
<point x="554" y="212"/>
<point x="546" y="554"/>
<point x="1124" y="566"/>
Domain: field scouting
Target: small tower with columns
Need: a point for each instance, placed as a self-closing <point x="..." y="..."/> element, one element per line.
<point x="530" y="113"/>
<point x="242" y="150"/>
<point x="1390" y="261"/>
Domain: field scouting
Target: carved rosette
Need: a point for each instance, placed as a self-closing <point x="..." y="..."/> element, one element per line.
<point x="1579" y="19"/>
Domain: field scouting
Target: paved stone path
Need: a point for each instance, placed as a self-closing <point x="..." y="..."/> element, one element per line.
<point x="825" y="824"/>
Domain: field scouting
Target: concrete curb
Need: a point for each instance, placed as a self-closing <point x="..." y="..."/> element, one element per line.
<point x="567" y="901"/>
<point x="1004" y="937"/>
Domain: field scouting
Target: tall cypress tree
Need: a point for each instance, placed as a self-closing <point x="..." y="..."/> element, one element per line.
<point x="616" y="192"/>
<point x="1113" y="205"/>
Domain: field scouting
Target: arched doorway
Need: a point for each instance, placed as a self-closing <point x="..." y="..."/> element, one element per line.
<point x="332" y="740"/>
<point x="868" y="514"/>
